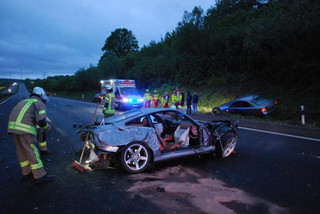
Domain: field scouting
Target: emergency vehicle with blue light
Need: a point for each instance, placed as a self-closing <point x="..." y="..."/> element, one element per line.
<point x="126" y="94"/>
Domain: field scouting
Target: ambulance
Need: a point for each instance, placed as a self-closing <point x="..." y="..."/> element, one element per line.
<point x="126" y="94"/>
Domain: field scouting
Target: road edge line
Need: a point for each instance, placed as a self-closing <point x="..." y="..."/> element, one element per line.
<point x="7" y="100"/>
<point x="281" y="134"/>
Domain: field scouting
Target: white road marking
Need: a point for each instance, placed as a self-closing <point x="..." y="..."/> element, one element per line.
<point x="63" y="104"/>
<point x="281" y="134"/>
<point x="7" y="99"/>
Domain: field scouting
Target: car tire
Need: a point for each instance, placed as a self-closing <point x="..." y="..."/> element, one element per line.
<point x="216" y="111"/>
<point x="226" y="145"/>
<point x="135" y="157"/>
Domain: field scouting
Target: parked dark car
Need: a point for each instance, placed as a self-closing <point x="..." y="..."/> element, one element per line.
<point x="97" y="98"/>
<point x="250" y="104"/>
<point x="133" y="139"/>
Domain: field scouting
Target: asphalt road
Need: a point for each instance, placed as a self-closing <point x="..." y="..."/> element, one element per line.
<point x="276" y="169"/>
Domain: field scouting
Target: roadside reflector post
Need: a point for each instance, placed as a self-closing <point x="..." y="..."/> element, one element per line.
<point x="82" y="96"/>
<point x="302" y="116"/>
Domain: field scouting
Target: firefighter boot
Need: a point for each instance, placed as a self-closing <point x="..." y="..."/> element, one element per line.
<point x="44" y="179"/>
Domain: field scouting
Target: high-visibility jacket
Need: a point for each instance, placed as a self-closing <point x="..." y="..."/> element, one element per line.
<point x="174" y="97"/>
<point x="26" y="115"/>
<point x="156" y="96"/>
<point x="147" y="96"/>
<point x="109" y="107"/>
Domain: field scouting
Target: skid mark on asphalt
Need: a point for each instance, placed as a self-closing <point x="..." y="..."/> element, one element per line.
<point x="183" y="188"/>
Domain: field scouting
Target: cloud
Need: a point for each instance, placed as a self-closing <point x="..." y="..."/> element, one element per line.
<point x="59" y="37"/>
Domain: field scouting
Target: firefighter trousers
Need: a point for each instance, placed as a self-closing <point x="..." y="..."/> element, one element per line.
<point x="28" y="155"/>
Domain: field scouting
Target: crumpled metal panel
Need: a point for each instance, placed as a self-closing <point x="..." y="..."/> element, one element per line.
<point x="117" y="136"/>
<point x="205" y="136"/>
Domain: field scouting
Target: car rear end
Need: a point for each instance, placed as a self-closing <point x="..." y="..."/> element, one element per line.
<point x="268" y="106"/>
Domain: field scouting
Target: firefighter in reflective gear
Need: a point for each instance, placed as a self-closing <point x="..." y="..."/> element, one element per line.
<point x="165" y="100"/>
<point x="155" y="98"/>
<point x="23" y="119"/>
<point x="109" y="108"/>
<point x="147" y="99"/>
<point x="176" y="98"/>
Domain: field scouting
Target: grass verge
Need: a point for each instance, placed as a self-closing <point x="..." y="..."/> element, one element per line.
<point x="207" y="100"/>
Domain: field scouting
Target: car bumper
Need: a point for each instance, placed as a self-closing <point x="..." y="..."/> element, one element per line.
<point x="131" y="105"/>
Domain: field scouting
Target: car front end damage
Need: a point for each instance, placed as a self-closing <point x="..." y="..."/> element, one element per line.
<point x="222" y="134"/>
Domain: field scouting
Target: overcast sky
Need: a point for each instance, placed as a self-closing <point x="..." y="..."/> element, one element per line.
<point x="41" y="38"/>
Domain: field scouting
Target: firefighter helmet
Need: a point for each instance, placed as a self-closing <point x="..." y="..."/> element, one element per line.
<point x="41" y="93"/>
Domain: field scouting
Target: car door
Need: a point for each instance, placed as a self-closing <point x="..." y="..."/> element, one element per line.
<point x="241" y="107"/>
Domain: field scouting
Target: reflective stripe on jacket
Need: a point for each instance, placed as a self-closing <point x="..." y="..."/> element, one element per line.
<point x="25" y="116"/>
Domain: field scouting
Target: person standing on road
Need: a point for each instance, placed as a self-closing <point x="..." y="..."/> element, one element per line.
<point x="155" y="99"/>
<point x="23" y="120"/>
<point x="188" y="102"/>
<point x="176" y="98"/>
<point x="109" y="108"/>
<point x="195" y="100"/>
<point x="166" y="100"/>
<point x="147" y="99"/>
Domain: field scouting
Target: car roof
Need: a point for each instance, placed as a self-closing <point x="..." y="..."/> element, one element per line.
<point x="247" y="97"/>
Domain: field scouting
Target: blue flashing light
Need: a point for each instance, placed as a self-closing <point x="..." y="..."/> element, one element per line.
<point x="132" y="100"/>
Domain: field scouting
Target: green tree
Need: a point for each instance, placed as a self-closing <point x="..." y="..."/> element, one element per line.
<point x="120" y="43"/>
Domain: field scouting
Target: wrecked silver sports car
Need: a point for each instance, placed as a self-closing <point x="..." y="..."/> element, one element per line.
<point x="137" y="138"/>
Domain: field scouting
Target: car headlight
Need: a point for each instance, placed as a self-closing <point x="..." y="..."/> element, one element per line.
<point x="111" y="148"/>
<point x="125" y="100"/>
